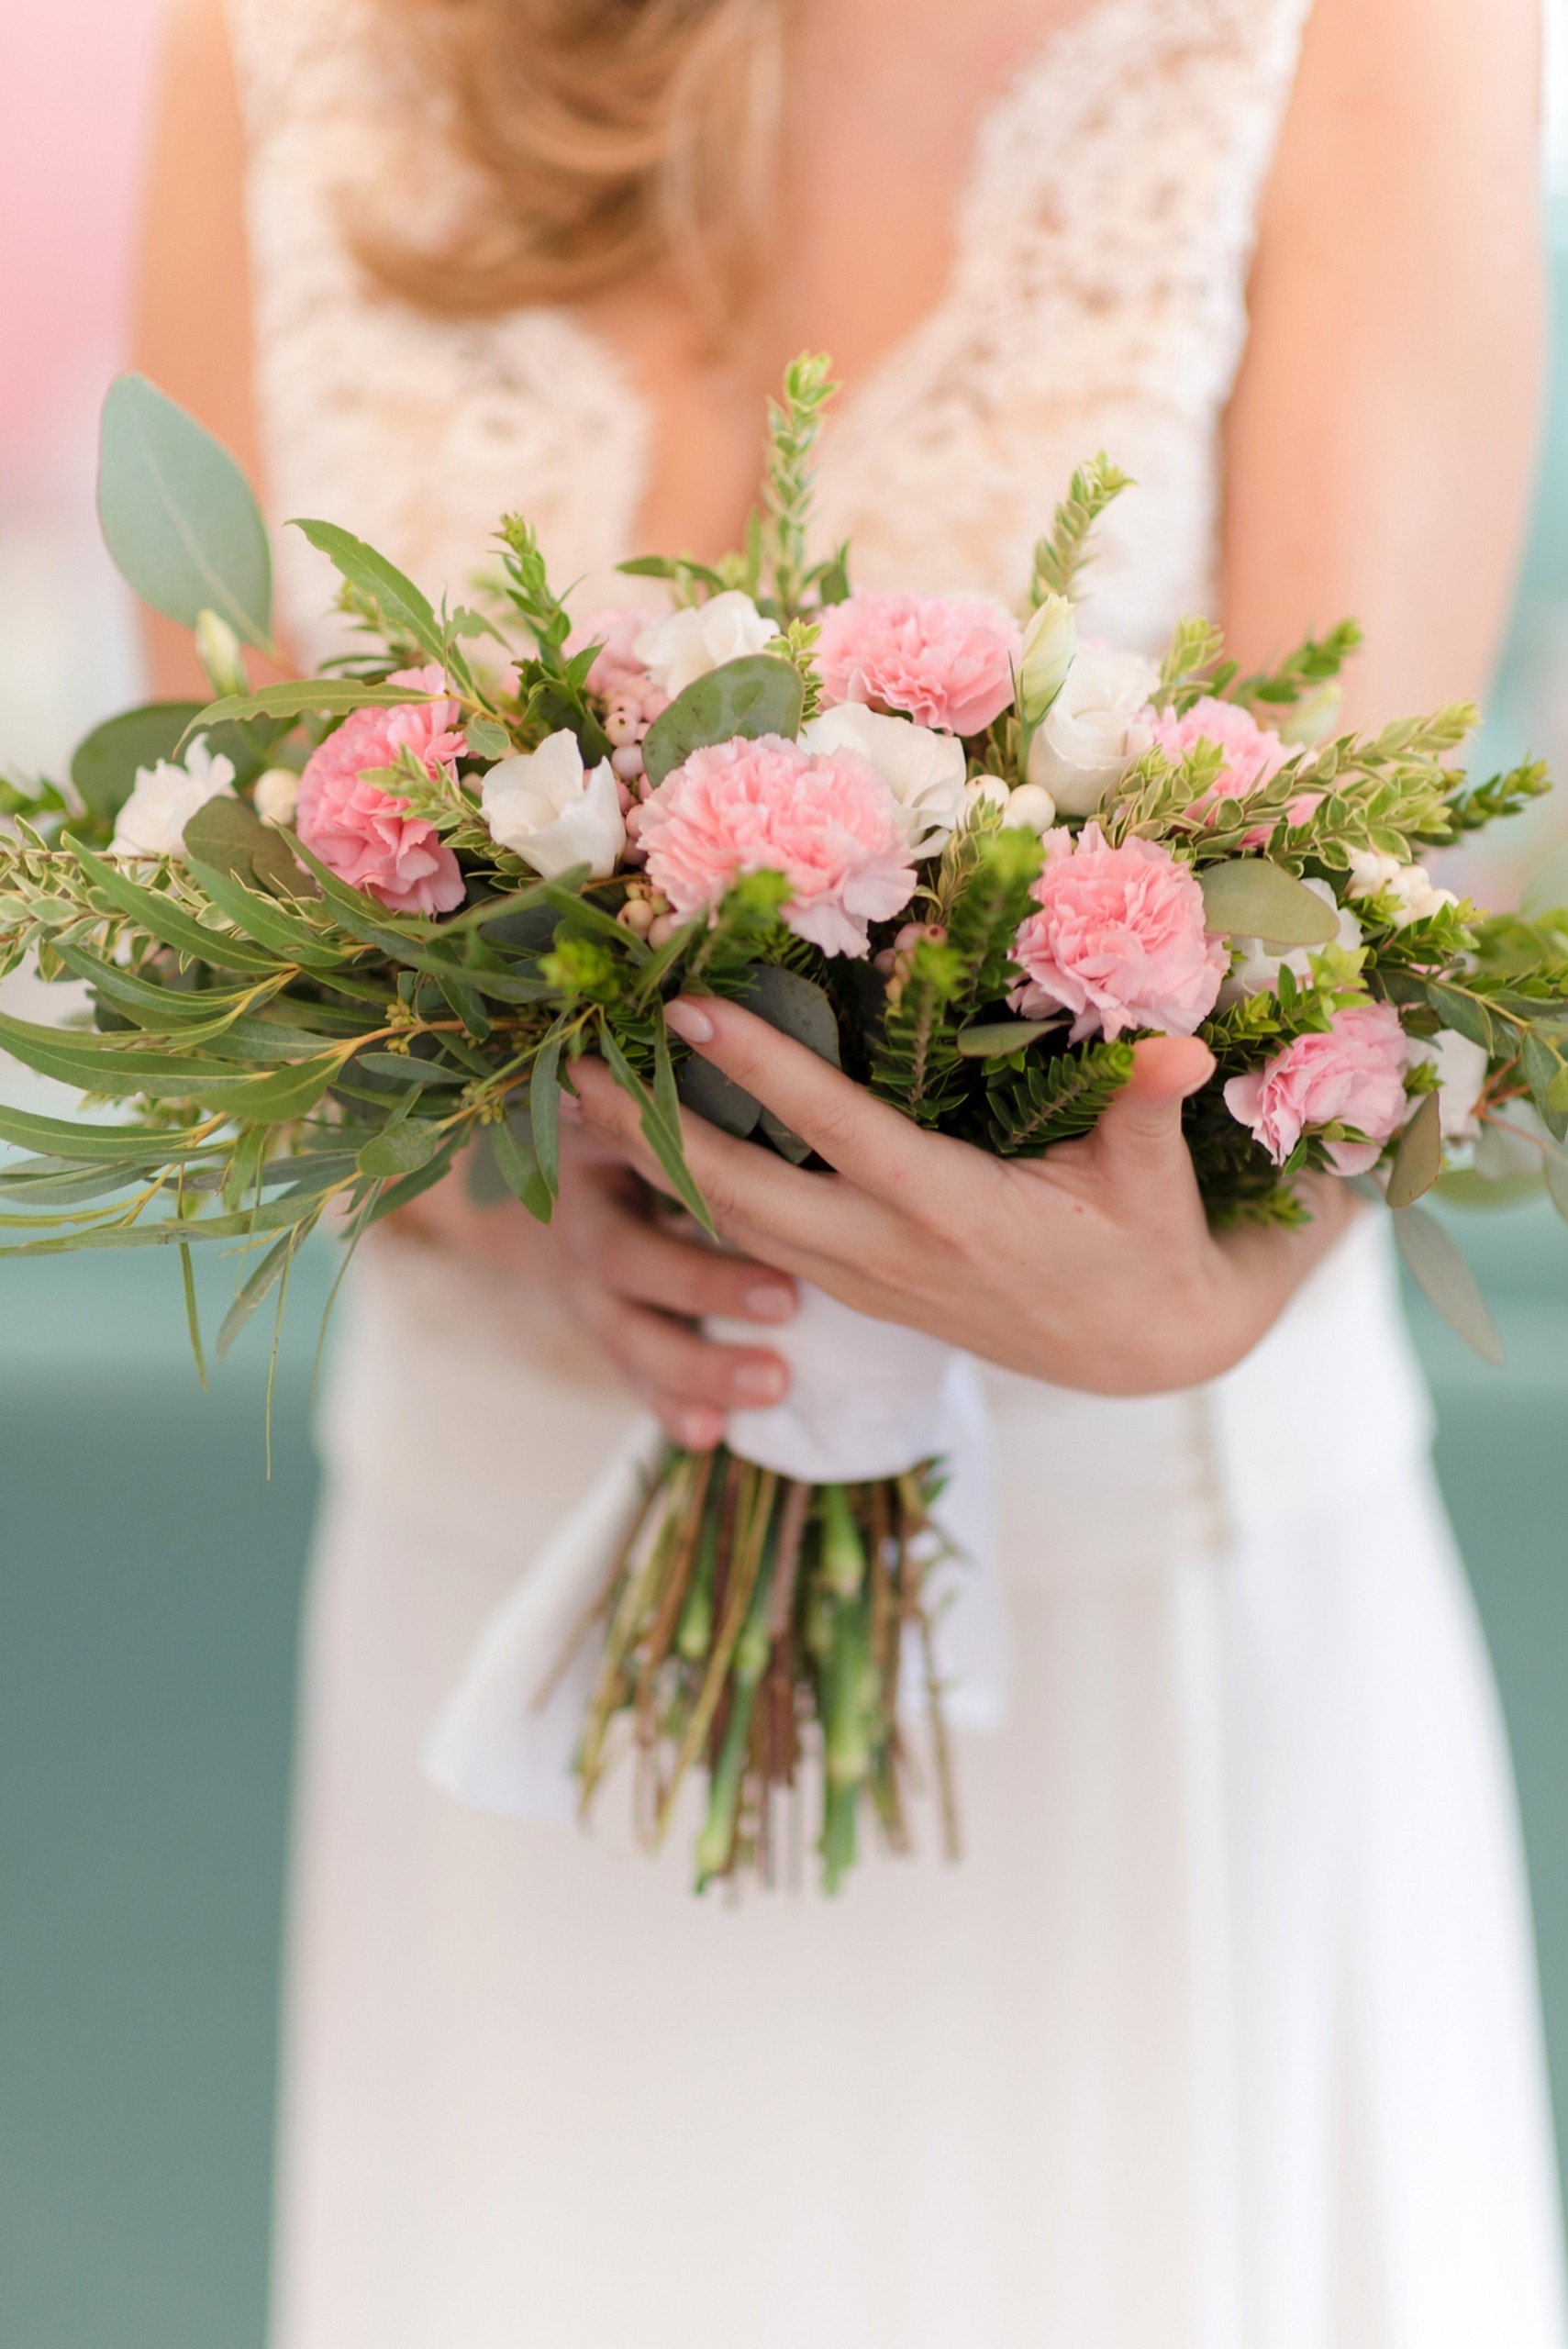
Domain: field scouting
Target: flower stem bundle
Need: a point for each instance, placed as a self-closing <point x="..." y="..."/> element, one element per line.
<point x="758" y="1630"/>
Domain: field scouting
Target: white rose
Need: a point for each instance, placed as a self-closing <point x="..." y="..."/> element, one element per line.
<point x="1408" y="887"/>
<point x="1258" y="971"/>
<point x="1462" y="1071"/>
<point x="276" y="795"/>
<point x="553" y="813"/>
<point x="1045" y="658"/>
<point x="700" y="637"/>
<point x="924" y="770"/>
<point x="1091" y="734"/>
<point x="163" y="799"/>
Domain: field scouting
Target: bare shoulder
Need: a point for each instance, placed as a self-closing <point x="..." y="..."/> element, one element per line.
<point x="1380" y="443"/>
<point x="192" y="331"/>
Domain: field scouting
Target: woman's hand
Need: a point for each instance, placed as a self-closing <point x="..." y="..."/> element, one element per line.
<point x="1092" y="1267"/>
<point x="629" y="1286"/>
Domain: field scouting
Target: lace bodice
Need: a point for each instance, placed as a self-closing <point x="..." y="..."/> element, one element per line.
<point x="1095" y="300"/>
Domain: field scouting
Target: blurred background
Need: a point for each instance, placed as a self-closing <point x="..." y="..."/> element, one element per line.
<point x="150" y="1572"/>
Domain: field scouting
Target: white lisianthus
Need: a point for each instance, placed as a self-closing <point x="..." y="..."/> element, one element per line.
<point x="553" y="812"/>
<point x="163" y="799"/>
<point x="924" y="770"/>
<point x="1408" y="888"/>
<point x="1258" y="971"/>
<point x="678" y="650"/>
<point x="276" y="795"/>
<point x="1045" y="657"/>
<point x="1462" y="1071"/>
<point x="1092" y="732"/>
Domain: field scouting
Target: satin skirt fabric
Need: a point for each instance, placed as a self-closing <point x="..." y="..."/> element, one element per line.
<point x="1223" y="2035"/>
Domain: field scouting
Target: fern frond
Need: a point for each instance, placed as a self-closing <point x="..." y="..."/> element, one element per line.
<point x="1044" y="1101"/>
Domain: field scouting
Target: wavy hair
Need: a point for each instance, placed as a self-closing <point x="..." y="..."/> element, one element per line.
<point x="601" y="135"/>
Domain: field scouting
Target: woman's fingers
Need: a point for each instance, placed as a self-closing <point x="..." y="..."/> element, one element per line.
<point x="767" y="1207"/>
<point x="873" y="1144"/>
<point x="1138" y="1143"/>
<point x="611" y="1234"/>
<point x="690" y="1383"/>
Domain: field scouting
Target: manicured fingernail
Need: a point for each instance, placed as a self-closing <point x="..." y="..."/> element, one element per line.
<point x="698" y="1430"/>
<point x="758" y="1382"/>
<point x="694" y="1027"/>
<point x="769" y="1301"/>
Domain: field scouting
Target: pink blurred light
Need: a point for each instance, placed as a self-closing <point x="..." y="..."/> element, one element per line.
<point x="73" y="106"/>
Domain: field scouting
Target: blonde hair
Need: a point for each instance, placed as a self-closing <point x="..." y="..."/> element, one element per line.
<point x="603" y="135"/>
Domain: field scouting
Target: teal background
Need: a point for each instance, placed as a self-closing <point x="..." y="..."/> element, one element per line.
<point x="150" y="1583"/>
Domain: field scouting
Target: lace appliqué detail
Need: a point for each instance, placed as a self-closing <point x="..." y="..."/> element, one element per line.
<point x="1096" y="299"/>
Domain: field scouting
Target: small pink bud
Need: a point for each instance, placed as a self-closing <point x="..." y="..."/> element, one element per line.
<point x="626" y="762"/>
<point x="661" y="929"/>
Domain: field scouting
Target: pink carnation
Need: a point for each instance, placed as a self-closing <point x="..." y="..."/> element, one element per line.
<point x="359" y="832"/>
<point x="1355" y="1074"/>
<point x="1119" y="939"/>
<point x="1252" y="752"/>
<point x="944" y="661"/>
<point x="617" y="629"/>
<point x="830" y="824"/>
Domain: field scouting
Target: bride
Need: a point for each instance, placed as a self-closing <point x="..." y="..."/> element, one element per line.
<point x="1224" y="2035"/>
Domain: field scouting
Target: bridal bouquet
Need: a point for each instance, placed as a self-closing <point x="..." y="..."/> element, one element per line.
<point x="338" y="934"/>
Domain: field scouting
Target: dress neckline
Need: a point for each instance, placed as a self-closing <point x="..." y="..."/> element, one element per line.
<point x="1061" y="49"/>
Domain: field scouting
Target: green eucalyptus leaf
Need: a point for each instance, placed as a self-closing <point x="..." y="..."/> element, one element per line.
<point x="168" y="922"/>
<point x="1249" y="898"/>
<point x="400" y="1148"/>
<point x="757" y="694"/>
<point x="405" y="606"/>
<point x="253" y="1291"/>
<point x="313" y="696"/>
<point x="711" y="1095"/>
<point x="225" y="834"/>
<point x="178" y="514"/>
<point x="796" y="1007"/>
<point x="992" y="1038"/>
<point x="104" y="764"/>
<point x="1466" y="1189"/>
<point x="407" y="1069"/>
<point x="1457" y="1009"/>
<point x="130" y="1145"/>
<point x="1544" y="1074"/>
<point x="1555" y="1168"/>
<point x="1445" y="1279"/>
<point x="1418" y="1161"/>
<point x="519" y="1168"/>
<point x="487" y="739"/>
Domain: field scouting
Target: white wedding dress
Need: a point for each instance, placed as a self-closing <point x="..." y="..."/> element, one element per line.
<point x="1224" y="2035"/>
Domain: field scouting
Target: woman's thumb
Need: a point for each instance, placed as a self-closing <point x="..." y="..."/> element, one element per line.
<point x="1140" y="1136"/>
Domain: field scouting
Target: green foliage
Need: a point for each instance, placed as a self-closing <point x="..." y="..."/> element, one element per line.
<point x="757" y="694"/>
<point x="1032" y="1101"/>
<point x="178" y="514"/>
<point x="794" y="426"/>
<point x="1476" y="806"/>
<point x="1314" y="663"/>
<point x="1060" y="558"/>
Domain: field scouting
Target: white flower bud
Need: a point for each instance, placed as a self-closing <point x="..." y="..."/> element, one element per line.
<point x="1050" y="641"/>
<point x="276" y="795"/>
<point x="985" y="791"/>
<point x="1030" y="808"/>
<point x="217" y="650"/>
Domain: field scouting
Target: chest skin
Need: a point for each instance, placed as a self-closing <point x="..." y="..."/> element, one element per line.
<point x="883" y="102"/>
